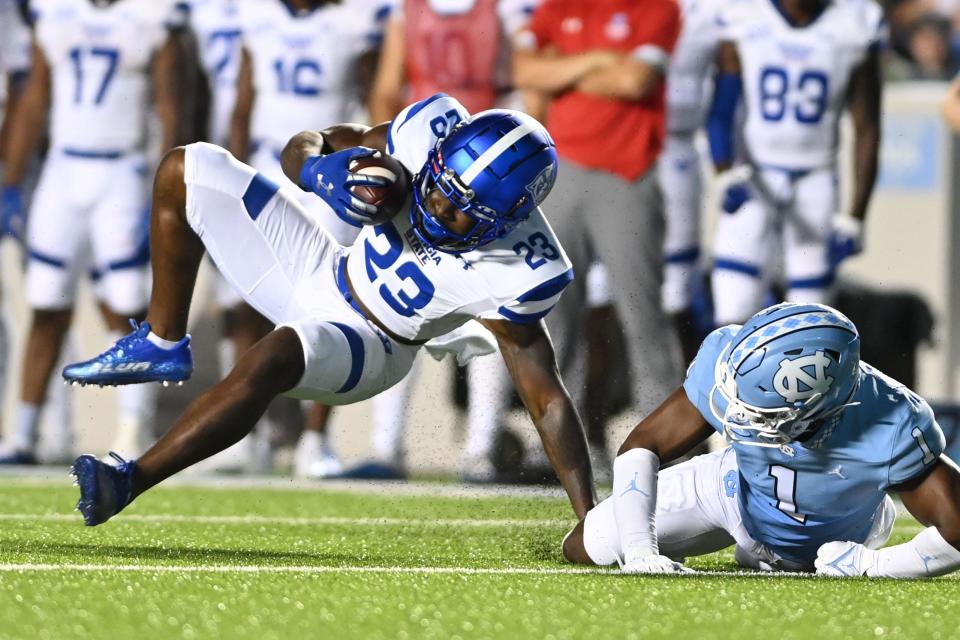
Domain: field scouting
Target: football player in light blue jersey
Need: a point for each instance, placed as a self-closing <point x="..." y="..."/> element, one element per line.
<point x="818" y="441"/>
<point x="470" y="242"/>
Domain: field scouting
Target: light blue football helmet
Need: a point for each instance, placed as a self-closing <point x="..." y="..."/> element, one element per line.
<point x="788" y="369"/>
<point x="496" y="166"/>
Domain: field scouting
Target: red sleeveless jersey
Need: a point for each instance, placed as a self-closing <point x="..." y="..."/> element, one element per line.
<point x="456" y="54"/>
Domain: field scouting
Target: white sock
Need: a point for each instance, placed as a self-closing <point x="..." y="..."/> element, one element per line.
<point x="136" y="410"/>
<point x="390" y="410"/>
<point x="4" y="353"/>
<point x="25" y="435"/>
<point x="159" y="342"/>
<point x="635" y="502"/>
<point x="489" y="382"/>
<point x="312" y="441"/>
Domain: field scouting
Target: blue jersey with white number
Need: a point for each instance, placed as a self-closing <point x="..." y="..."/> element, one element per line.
<point x="795" y="79"/>
<point x="832" y="485"/>
<point x="421" y="293"/>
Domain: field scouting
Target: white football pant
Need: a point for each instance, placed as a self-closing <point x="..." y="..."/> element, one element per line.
<point x="789" y="214"/>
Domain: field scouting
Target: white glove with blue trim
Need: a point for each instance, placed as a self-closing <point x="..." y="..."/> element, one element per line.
<point x="654" y="564"/>
<point x="844" y="559"/>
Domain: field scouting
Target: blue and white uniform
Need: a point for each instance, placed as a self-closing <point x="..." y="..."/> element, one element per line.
<point x="306" y="76"/>
<point x="91" y="197"/>
<point x="292" y="271"/>
<point x="779" y="506"/>
<point x="795" y="83"/>
<point x="217" y="26"/>
<point x="678" y="169"/>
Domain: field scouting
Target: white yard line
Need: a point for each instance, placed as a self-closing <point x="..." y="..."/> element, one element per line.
<point x="255" y="569"/>
<point x="49" y="476"/>
<point x="280" y="520"/>
<point x="326" y="521"/>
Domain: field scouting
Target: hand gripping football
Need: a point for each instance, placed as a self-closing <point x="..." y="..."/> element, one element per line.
<point x="389" y="198"/>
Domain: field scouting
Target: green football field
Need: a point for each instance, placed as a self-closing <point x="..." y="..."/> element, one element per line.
<point x="393" y="562"/>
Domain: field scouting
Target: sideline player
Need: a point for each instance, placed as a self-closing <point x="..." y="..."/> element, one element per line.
<point x="350" y="320"/>
<point x="678" y="169"/>
<point x="94" y="64"/>
<point x="817" y="441"/>
<point x="14" y="65"/>
<point x="798" y="63"/>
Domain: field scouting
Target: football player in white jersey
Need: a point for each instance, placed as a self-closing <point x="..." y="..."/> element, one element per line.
<point x="302" y="62"/>
<point x="679" y="167"/>
<point x="798" y="64"/>
<point x="94" y="66"/>
<point x="14" y="64"/>
<point x="470" y="242"/>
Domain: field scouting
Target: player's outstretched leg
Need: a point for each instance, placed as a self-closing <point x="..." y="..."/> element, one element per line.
<point x="216" y="420"/>
<point x="158" y="350"/>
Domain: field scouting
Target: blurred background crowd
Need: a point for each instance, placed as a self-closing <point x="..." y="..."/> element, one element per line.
<point x="248" y="74"/>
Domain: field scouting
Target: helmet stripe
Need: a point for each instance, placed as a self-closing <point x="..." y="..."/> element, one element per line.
<point x="487" y="157"/>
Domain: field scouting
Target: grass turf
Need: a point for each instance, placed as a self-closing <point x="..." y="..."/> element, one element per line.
<point x="270" y="563"/>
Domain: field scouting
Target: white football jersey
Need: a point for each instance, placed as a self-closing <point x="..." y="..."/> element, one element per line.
<point x="99" y="59"/>
<point x="795" y="79"/>
<point x="305" y="64"/>
<point x="691" y="64"/>
<point x="216" y="24"/>
<point x="421" y="293"/>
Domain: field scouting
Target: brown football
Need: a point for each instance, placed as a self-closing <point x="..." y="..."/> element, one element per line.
<point x="389" y="199"/>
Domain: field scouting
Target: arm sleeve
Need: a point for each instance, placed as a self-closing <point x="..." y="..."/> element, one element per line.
<point x="720" y="119"/>
<point x="416" y="129"/>
<point x="917" y="443"/>
<point x="700" y="375"/>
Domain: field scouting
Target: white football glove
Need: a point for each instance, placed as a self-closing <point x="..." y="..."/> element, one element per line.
<point x="654" y="564"/>
<point x="844" y="559"/>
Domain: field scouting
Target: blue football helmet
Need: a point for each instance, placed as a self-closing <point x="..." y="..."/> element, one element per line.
<point x="496" y="166"/>
<point x="786" y="371"/>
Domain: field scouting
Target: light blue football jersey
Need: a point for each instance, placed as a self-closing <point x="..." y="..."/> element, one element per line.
<point x="832" y="484"/>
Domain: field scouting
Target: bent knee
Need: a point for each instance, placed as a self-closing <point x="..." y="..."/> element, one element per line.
<point x="169" y="188"/>
<point x="274" y="364"/>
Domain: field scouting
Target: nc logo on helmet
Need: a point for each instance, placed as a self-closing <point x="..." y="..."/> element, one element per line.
<point x="802" y="378"/>
<point x="541" y="185"/>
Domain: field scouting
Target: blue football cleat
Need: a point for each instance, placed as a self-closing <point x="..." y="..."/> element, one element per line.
<point x="104" y="489"/>
<point x="17" y="458"/>
<point x="373" y="470"/>
<point x="134" y="360"/>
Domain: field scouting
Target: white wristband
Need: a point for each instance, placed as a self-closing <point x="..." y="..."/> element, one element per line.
<point x="635" y="502"/>
<point x="927" y="555"/>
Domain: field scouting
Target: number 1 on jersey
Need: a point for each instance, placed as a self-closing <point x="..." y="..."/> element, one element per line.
<point x="785" y="489"/>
